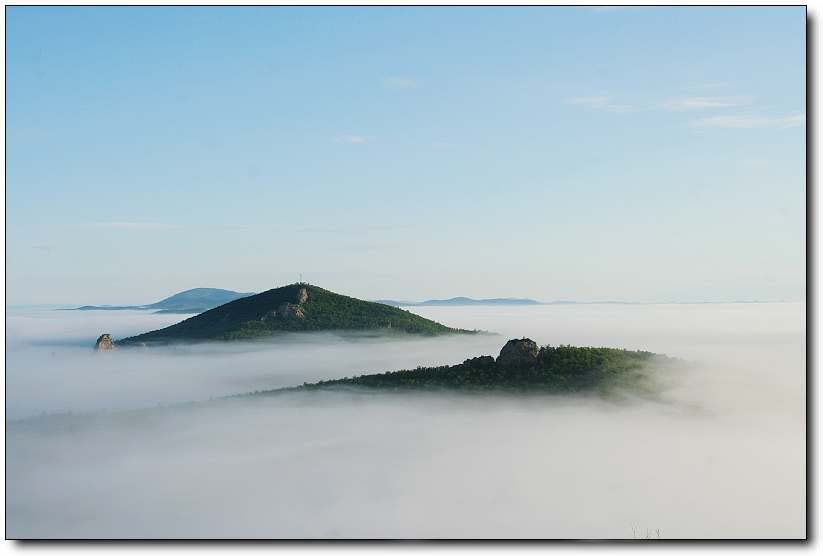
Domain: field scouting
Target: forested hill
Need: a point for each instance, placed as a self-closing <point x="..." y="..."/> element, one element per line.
<point x="522" y="367"/>
<point x="460" y="301"/>
<point x="296" y="308"/>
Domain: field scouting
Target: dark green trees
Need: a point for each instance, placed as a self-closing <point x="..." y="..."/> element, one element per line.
<point x="548" y="369"/>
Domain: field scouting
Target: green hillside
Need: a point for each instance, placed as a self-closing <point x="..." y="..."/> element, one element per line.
<point x="522" y="367"/>
<point x="294" y="308"/>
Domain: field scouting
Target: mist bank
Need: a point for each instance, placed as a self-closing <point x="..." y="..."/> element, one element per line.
<point x="719" y="453"/>
<point x="52" y="368"/>
<point x="359" y="465"/>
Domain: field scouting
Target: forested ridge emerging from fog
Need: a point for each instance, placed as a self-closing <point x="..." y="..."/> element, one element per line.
<point x="521" y="366"/>
<point x="294" y="308"/>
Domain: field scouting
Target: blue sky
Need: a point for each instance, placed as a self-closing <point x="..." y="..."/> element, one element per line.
<point x="649" y="154"/>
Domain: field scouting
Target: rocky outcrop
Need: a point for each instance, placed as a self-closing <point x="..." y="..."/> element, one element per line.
<point x="104" y="343"/>
<point x="289" y="310"/>
<point x="518" y="353"/>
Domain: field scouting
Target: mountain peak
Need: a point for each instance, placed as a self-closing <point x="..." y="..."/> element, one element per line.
<point x="297" y="307"/>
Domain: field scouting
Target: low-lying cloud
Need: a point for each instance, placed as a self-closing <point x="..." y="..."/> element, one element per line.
<point x="721" y="452"/>
<point x="53" y="368"/>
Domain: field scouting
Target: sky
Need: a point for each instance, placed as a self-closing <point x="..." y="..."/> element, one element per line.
<point x="637" y="154"/>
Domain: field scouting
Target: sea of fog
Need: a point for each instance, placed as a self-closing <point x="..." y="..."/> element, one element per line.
<point x="104" y="445"/>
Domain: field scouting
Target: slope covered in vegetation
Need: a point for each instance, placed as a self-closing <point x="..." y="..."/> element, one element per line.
<point x="521" y="366"/>
<point x="294" y="308"/>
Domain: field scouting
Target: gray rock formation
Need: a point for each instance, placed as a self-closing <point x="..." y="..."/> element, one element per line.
<point x="104" y="343"/>
<point x="289" y="310"/>
<point x="518" y="353"/>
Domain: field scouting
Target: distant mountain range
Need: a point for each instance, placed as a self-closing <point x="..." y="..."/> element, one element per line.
<point x="294" y="308"/>
<point x="199" y="300"/>
<point x="196" y="300"/>
<point x="459" y="301"/>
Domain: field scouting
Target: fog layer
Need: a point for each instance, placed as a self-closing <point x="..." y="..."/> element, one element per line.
<point x="721" y="454"/>
<point x="52" y="367"/>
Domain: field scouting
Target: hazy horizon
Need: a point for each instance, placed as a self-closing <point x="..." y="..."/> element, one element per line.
<point x="402" y="298"/>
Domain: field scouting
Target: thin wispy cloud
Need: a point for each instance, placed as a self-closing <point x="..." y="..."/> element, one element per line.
<point x="601" y="102"/>
<point x="704" y="103"/>
<point x="351" y="139"/>
<point x="697" y="103"/>
<point x="747" y="121"/>
<point x="400" y="83"/>
<point x="352" y="228"/>
<point x="133" y="225"/>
